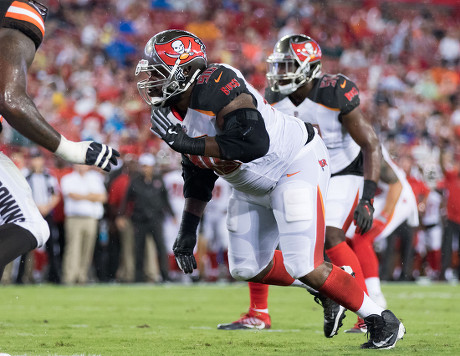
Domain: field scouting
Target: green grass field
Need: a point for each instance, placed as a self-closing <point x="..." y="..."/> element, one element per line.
<point x="181" y="320"/>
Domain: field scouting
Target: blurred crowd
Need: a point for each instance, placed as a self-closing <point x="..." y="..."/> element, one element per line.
<point x="403" y="55"/>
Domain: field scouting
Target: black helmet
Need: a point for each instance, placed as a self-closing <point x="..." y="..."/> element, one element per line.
<point x="296" y="60"/>
<point x="172" y="59"/>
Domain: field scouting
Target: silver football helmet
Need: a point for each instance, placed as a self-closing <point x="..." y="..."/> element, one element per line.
<point x="172" y="60"/>
<point x="296" y="60"/>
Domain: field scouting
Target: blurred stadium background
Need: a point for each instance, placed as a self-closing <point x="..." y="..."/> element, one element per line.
<point x="404" y="56"/>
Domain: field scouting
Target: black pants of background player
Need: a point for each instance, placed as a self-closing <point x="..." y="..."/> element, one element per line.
<point x="452" y="229"/>
<point x="141" y="230"/>
<point x="405" y="234"/>
<point x="107" y="253"/>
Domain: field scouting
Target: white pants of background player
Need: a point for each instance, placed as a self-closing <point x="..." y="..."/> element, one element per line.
<point x="16" y="203"/>
<point x="342" y="198"/>
<point x="291" y="215"/>
<point x="405" y="210"/>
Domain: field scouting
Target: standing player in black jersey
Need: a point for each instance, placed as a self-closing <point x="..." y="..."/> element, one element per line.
<point x="22" y="228"/>
<point x="331" y="103"/>
<point x="277" y="165"/>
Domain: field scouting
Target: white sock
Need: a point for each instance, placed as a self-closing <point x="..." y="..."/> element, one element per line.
<point x="369" y="307"/>
<point x="375" y="291"/>
<point x="373" y="286"/>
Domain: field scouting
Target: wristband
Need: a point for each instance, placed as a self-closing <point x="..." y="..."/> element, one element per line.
<point x="189" y="223"/>
<point x="197" y="146"/>
<point x="73" y="152"/>
<point x="369" y="189"/>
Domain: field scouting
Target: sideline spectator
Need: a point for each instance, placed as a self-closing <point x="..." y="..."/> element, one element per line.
<point x="84" y="193"/>
<point x="452" y="185"/>
<point x="123" y="228"/>
<point x="46" y="194"/>
<point x="150" y="204"/>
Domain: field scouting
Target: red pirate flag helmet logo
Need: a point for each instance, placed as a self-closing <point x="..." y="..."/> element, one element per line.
<point x="184" y="48"/>
<point x="308" y="50"/>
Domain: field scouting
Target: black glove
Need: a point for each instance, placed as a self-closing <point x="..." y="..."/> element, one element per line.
<point x="363" y="216"/>
<point x="101" y="155"/>
<point x="185" y="242"/>
<point x="183" y="252"/>
<point x="174" y="135"/>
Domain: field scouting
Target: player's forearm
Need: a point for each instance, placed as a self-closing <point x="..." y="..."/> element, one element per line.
<point x="97" y="197"/>
<point x="394" y="192"/>
<point x="22" y="114"/>
<point x="211" y="148"/>
<point x="372" y="157"/>
<point x="195" y="206"/>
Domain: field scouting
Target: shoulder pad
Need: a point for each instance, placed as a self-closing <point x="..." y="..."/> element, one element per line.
<point x="337" y="92"/>
<point x="216" y="87"/>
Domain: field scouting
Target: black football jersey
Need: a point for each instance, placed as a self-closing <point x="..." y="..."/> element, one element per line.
<point x="331" y="97"/>
<point x="215" y="88"/>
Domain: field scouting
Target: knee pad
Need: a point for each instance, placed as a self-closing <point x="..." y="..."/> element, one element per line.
<point x="242" y="274"/>
<point x="39" y="228"/>
<point x="42" y="232"/>
<point x="300" y="262"/>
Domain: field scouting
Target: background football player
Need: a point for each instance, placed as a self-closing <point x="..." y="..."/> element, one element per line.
<point x="329" y="102"/>
<point x="394" y="204"/>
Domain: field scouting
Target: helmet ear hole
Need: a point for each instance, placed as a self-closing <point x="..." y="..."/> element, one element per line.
<point x="176" y="57"/>
<point x="300" y="79"/>
<point x="187" y="70"/>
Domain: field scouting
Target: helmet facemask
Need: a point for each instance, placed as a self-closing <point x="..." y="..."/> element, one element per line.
<point x="162" y="83"/>
<point x="286" y="72"/>
<point x="170" y="68"/>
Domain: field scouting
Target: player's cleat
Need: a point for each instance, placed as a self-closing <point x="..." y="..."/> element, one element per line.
<point x="383" y="331"/>
<point x="333" y="315"/>
<point x="359" y="328"/>
<point x="251" y="320"/>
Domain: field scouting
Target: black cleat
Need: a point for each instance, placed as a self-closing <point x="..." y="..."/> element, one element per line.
<point x="333" y="315"/>
<point x="383" y="331"/>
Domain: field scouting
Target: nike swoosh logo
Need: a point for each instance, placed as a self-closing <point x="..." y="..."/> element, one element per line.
<point x="343" y="84"/>
<point x="382" y="343"/>
<point x="291" y="174"/>
<point x="218" y="78"/>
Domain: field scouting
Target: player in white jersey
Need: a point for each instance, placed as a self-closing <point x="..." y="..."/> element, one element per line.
<point x="394" y="204"/>
<point x="331" y="103"/>
<point x="430" y="235"/>
<point x="174" y="185"/>
<point x="22" y="228"/>
<point x="277" y="165"/>
<point x="215" y="233"/>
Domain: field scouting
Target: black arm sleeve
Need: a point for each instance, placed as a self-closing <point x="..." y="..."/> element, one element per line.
<point x="198" y="182"/>
<point x="245" y="137"/>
